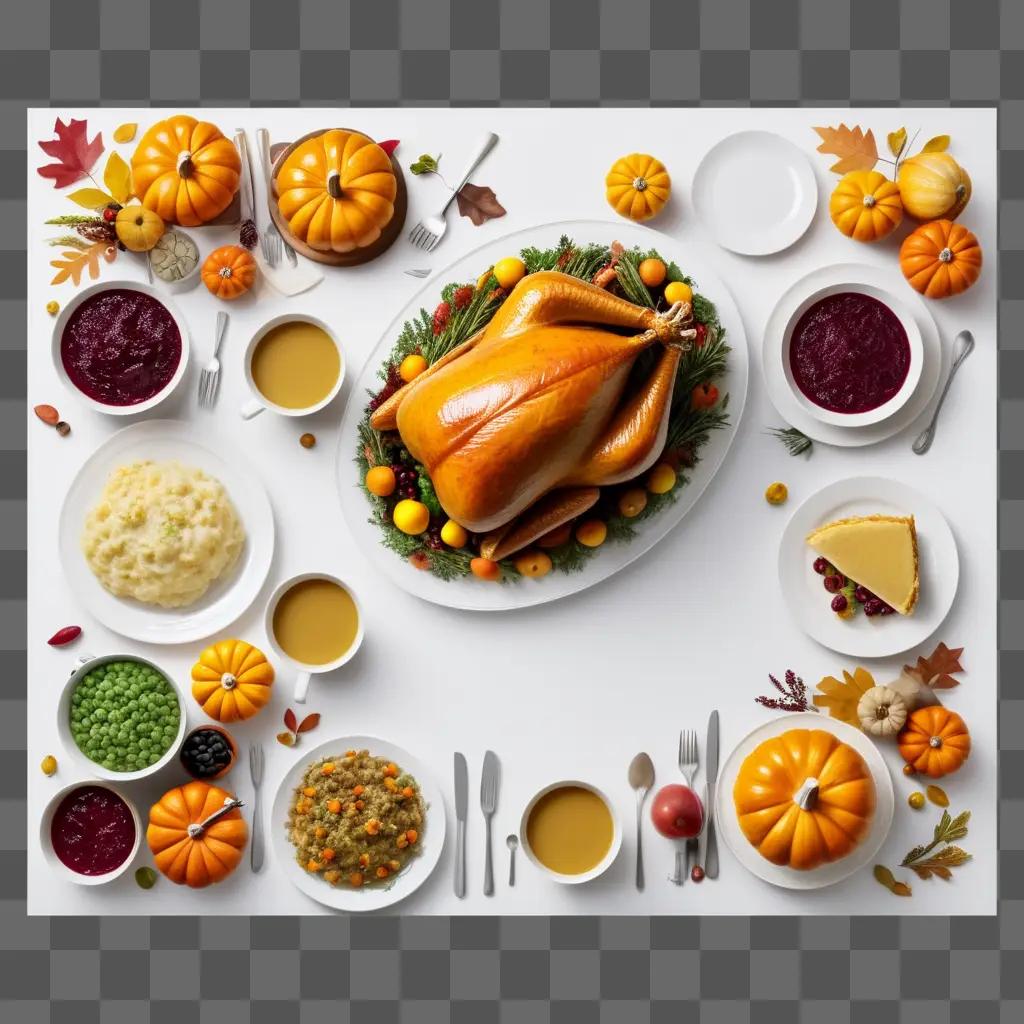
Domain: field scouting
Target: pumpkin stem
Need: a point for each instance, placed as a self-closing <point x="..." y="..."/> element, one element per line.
<point x="224" y="272"/>
<point x="935" y="742"/>
<point x="807" y="795"/>
<point x="946" y="256"/>
<point x="640" y="184"/>
<point x="197" y="828"/>
<point x="228" y="681"/>
<point x="869" y="201"/>
<point x="334" y="185"/>
<point x="185" y="166"/>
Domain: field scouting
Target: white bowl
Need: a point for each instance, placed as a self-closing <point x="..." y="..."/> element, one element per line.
<point x="597" y="869"/>
<point x="120" y="410"/>
<point x="887" y="409"/>
<point x="58" y="865"/>
<point x="84" y="665"/>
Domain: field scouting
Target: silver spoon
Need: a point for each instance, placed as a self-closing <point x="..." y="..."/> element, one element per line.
<point x="641" y="778"/>
<point x="963" y="346"/>
<point x="512" y="842"/>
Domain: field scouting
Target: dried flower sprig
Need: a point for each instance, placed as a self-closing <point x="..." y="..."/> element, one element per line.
<point x="794" y="694"/>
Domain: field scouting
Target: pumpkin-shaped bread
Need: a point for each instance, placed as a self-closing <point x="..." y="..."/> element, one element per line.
<point x="941" y="259"/>
<point x="804" y="798"/>
<point x="336" y="191"/>
<point x="638" y="186"/>
<point x="232" y="680"/>
<point x="866" y="206"/>
<point x="935" y="741"/>
<point x="229" y="272"/>
<point x="195" y="835"/>
<point x="185" y="170"/>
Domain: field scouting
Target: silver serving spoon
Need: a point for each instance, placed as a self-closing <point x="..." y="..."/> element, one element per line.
<point x="512" y="842"/>
<point x="641" y="778"/>
<point x="963" y="346"/>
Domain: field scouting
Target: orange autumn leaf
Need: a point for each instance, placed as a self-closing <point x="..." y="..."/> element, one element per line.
<point x="841" y="698"/>
<point x="855" y="148"/>
<point x="938" y="668"/>
<point x="75" y="263"/>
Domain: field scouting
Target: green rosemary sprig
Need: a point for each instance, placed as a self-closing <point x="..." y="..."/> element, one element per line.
<point x="796" y="441"/>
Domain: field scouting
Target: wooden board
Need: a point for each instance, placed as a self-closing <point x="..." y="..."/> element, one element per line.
<point x="391" y="231"/>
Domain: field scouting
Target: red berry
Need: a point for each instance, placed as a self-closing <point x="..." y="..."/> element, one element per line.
<point x="833" y="584"/>
<point x="442" y="315"/>
<point x="463" y="296"/>
<point x="702" y="335"/>
<point x="697" y="874"/>
<point x="873" y="607"/>
<point x="820" y="566"/>
<point x="839" y="603"/>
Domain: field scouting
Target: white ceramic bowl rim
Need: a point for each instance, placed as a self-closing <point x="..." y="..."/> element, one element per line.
<point x="597" y="869"/>
<point x="83" y="666"/>
<point x="910" y="327"/>
<point x="136" y="286"/>
<point x="261" y="332"/>
<point x="47" y="844"/>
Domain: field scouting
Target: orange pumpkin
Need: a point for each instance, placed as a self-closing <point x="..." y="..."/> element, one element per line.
<point x="195" y="836"/>
<point x="232" y="680"/>
<point x="337" y="191"/>
<point x="935" y="741"/>
<point x="804" y="798"/>
<point x="866" y="206"/>
<point x="229" y="271"/>
<point x="185" y="170"/>
<point x="940" y="259"/>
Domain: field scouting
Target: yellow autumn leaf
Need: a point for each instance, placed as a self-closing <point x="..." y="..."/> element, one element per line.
<point x="937" y="145"/>
<point x="897" y="140"/>
<point x="118" y="178"/>
<point x="125" y="132"/>
<point x="91" y="198"/>
<point x="841" y="698"/>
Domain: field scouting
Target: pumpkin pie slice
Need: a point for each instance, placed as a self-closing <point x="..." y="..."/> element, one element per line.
<point x="878" y="552"/>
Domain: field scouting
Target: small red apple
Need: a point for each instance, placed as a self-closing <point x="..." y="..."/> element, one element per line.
<point x="677" y="812"/>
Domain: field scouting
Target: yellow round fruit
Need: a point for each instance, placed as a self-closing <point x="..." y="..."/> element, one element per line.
<point x="533" y="564"/>
<point x="592" y="533"/>
<point x="661" y="479"/>
<point x="138" y="228"/>
<point x="453" y="535"/>
<point x="411" y="517"/>
<point x="380" y="481"/>
<point x="633" y="502"/>
<point x="652" y="272"/>
<point x="509" y="271"/>
<point x="776" y="493"/>
<point x="411" y="367"/>
<point x="49" y="765"/>
<point x="53" y="307"/>
<point x="916" y="800"/>
<point x="678" y="291"/>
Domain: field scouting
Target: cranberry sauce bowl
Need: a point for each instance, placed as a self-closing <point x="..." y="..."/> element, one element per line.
<point x="852" y="354"/>
<point x="90" y="833"/>
<point x="121" y="346"/>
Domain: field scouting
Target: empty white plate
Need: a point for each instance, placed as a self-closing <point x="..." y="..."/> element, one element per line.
<point x="755" y="193"/>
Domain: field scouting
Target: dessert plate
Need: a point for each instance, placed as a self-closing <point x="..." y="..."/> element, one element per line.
<point x="227" y="598"/>
<point x="827" y="874"/>
<point x="762" y="218"/>
<point x="480" y="595"/>
<point x="793" y="410"/>
<point x="806" y="598"/>
<point x="371" y="897"/>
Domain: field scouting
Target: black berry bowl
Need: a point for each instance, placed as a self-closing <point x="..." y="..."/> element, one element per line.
<point x="208" y="752"/>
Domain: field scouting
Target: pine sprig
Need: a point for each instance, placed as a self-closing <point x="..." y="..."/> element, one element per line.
<point x="796" y="441"/>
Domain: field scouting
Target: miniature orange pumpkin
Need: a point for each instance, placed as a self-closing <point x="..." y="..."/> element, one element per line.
<point x="866" y="206"/>
<point x="941" y="259"/>
<point x="804" y="798"/>
<point x="638" y="186"/>
<point x="232" y="680"/>
<point x="185" y="170"/>
<point x="337" y="191"/>
<point x="935" y="741"/>
<point x="229" y="271"/>
<point x="194" y="838"/>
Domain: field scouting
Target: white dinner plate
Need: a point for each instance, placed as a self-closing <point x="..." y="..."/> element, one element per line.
<point x="780" y="391"/>
<point x="479" y="595"/>
<point x="370" y="897"/>
<point x="805" y="596"/>
<point x="828" y="874"/>
<point x="227" y="598"/>
<point x="755" y="192"/>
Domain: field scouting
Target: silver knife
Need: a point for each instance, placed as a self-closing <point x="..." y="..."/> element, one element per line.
<point x="710" y="859"/>
<point x="489" y="781"/>
<point x="461" y="809"/>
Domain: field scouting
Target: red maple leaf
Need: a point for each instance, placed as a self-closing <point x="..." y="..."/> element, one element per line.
<point x="74" y="154"/>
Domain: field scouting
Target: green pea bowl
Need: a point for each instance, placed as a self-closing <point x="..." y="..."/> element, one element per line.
<point x="120" y="717"/>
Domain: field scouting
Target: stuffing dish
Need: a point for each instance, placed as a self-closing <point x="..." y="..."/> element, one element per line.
<point x="355" y="819"/>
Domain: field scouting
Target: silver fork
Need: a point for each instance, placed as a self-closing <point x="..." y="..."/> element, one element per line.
<point x="689" y="760"/>
<point x="209" y="377"/>
<point x="256" y="772"/>
<point x="270" y="239"/>
<point x="429" y="231"/>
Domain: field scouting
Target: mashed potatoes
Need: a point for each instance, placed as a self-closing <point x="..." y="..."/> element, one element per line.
<point x="162" y="533"/>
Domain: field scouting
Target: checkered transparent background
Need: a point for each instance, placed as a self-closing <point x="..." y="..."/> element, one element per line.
<point x="516" y="52"/>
